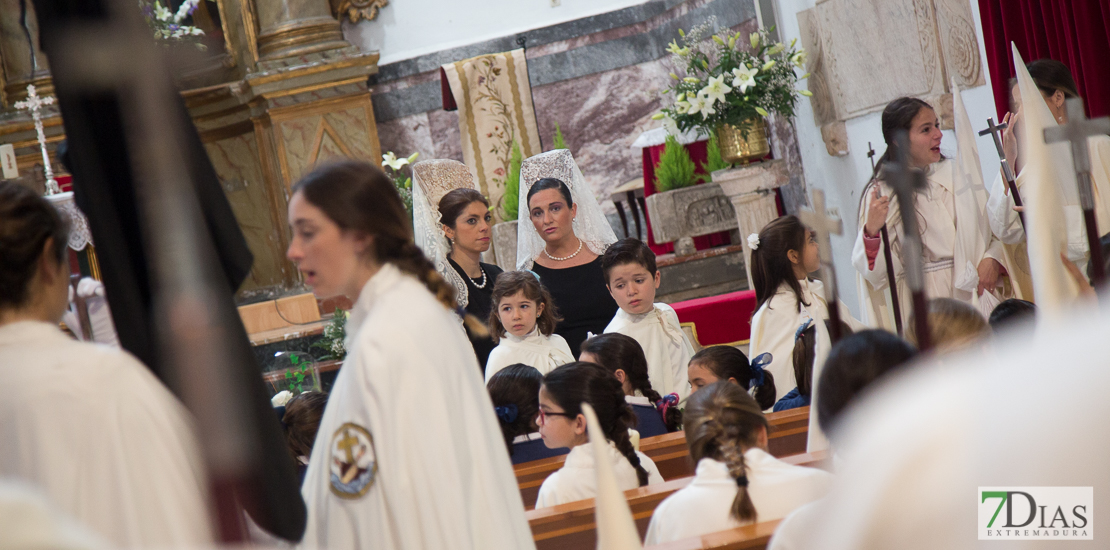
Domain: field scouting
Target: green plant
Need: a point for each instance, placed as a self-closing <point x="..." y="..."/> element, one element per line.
<point x="675" y="169"/>
<point x="510" y="201"/>
<point x="727" y="83"/>
<point x="560" y="143"/>
<point x="334" y="335"/>
<point x="400" y="180"/>
<point x="714" y="161"/>
<point x="296" y="376"/>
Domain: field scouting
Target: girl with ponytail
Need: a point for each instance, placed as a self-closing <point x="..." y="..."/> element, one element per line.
<point x="623" y="356"/>
<point x="736" y="482"/>
<point x="376" y="456"/>
<point x="562" y="424"/>
<point x="515" y="393"/>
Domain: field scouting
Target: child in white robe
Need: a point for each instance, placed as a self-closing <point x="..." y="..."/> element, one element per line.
<point x="632" y="278"/>
<point x="562" y="424"/>
<point x="784" y="254"/>
<point x="522" y="325"/>
<point x="716" y="363"/>
<point x="737" y="481"/>
<point x="623" y="356"/>
<point x="515" y="391"/>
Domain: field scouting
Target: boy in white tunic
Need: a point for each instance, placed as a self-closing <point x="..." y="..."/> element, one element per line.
<point x="632" y="278"/>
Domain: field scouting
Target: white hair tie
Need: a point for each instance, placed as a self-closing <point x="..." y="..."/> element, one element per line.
<point x="753" y="241"/>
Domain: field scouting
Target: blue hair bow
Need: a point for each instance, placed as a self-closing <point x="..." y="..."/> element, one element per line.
<point x="758" y="375"/>
<point x="802" y="328"/>
<point x="506" y="414"/>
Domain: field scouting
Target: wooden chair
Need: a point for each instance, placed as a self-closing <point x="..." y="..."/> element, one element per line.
<point x="748" y="537"/>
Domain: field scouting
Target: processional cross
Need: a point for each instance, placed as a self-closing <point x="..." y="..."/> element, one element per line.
<point x="1076" y="132"/>
<point x="825" y="225"/>
<point x="1007" y="172"/>
<point x="905" y="181"/>
<point x="891" y="281"/>
<point x="35" y="104"/>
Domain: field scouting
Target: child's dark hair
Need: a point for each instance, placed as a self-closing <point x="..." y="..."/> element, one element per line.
<point x="301" y="421"/>
<point x="897" y="116"/>
<point x="616" y="351"/>
<point x="628" y="251"/>
<point x="805" y="354"/>
<point x="515" y="391"/>
<point x="27" y="221"/>
<point x="1010" y="312"/>
<point x="728" y="362"/>
<point x="511" y="282"/>
<point x="722" y="421"/>
<point x="770" y="265"/>
<point x="854" y="363"/>
<point x="549" y="183"/>
<point x="575" y="383"/>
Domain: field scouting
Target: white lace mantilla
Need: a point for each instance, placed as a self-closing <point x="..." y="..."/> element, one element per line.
<point x="590" y="225"/>
<point x="432" y="179"/>
<point x="80" y="235"/>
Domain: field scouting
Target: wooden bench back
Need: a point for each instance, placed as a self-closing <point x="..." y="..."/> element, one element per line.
<point x="749" y="537"/>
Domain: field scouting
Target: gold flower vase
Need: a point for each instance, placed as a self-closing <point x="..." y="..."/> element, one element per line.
<point x="743" y="144"/>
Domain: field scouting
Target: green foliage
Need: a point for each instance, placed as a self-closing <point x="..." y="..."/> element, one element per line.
<point x="297" y="375"/>
<point x="714" y="162"/>
<point x="560" y="143"/>
<point x="675" y="169"/>
<point x="510" y="201"/>
<point x="334" y="334"/>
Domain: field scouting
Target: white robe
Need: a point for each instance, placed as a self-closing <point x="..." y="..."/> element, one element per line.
<point x="577" y="479"/>
<point x="776" y="322"/>
<point x="409" y="453"/>
<point x="104" y="439"/>
<point x="29" y="521"/>
<point x="535" y="350"/>
<point x="665" y="345"/>
<point x="704" y="506"/>
<point x="936" y="210"/>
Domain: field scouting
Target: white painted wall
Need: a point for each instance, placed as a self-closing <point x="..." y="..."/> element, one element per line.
<point x="842" y="178"/>
<point x="410" y="28"/>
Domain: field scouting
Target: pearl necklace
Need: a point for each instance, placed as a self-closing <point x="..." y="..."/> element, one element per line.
<point x="545" y="253"/>
<point x="484" y="280"/>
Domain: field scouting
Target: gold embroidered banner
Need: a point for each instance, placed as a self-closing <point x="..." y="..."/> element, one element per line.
<point x="495" y="108"/>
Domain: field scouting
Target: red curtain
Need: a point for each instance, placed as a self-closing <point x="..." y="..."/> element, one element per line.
<point x="1074" y="32"/>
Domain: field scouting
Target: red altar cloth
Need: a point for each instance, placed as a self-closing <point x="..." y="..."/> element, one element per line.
<point x="719" y="320"/>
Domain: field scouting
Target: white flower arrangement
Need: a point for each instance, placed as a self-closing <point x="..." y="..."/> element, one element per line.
<point x="753" y="241"/>
<point x="167" y="25"/>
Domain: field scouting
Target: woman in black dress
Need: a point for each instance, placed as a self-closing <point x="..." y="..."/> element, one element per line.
<point x="466" y="221"/>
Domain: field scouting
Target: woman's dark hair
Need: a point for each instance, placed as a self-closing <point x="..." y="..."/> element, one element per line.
<point x="628" y="251"/>
<point x="853" y="364"/>
<point x="728" y="362"/>
<point x="515" y="391"/>
<point x="359" y="197"/>
<point x="511" y="282"/>
<point x="722" y="421"/>
<point x="1051" y="76"/>
<point x="898" y="115"/>
<point x="27" y="221"/>
<point x="770" y="265"/>
<point x="616" y="351"/>
<point x="575" y="383"/>
<point x="549" y="183"/>
<point x="1011" y="311"/>
<point x="452" y="205"/>
<point x="301" y="421"/>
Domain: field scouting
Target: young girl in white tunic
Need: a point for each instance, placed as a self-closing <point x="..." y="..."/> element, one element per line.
<point x="408" y="453"/>
<point x="736" y="481"/>
<point x="632" y="278"/>
<point x="716" y="363"/>
<point x="522" y="324"/>
<point x="562" y="424"/>
<point x="623" y="356"/>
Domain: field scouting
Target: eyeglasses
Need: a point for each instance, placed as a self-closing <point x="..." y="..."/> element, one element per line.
<point x="542" y="417"/>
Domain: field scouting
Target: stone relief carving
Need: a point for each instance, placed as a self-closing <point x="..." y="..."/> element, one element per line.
<point x="357" y="9"/>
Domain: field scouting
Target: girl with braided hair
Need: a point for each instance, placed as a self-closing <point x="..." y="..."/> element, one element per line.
<point x="736" y="482"/>
<point x="408" y="416"/>
<point x="562" y="424"/>
<point x="623" y="356"/>
<point x="515" y="393"/>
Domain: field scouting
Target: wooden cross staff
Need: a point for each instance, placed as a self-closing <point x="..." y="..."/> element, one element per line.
<point x="906" y="181"/>
<point x="891" y="280"/>
<point x="1008" y="173"/>
<point x="1076" y="132"/>
<point x="823" y="225"/>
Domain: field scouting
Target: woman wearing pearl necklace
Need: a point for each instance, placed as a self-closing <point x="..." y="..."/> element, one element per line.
<point x="564" y="242"/>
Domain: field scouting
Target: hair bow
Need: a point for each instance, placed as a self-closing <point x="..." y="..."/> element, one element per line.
<point x="757" y="364"/>
<point x="668" y="401"/>
<point x="802" y="328"/>
<point x="507" y="413"/>
<point x="753" y="241"/>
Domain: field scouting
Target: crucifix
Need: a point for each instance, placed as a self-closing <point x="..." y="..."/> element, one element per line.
<point x="824" y="225"/>
<point x="892" y="283"/>
<point x="995" y="130"/>
<point x="906" y="181"/>
<point x="1076" y="132"/>
<point x="35" y="104"/>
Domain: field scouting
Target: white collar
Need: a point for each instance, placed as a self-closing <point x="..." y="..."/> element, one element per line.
<point x="386" y="277"/>
<point x="637" y="400"/>
<point x="637" y="317"/>
<point x="22" y="332"/>
<point x="527" y="437"/>
<point x="534" y="337"/>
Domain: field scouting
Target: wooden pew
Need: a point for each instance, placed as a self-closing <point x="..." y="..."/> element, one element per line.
<point x="789" y="430"/>
<point x="748" y="537"/>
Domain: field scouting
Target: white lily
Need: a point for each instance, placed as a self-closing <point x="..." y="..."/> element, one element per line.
<point x="767" y="66"/>
<point x="744" y="78"/>
<point x="391" y="160"/>
<point x="776" y="49"/>
<point x="161" y="12"/>
<point x="670" y="126"/>
<point x="681" y="107"/>
<point x="700" y="105"/>
<point x="755" y="40"/>
<point x="799" y="58"/>
<point x="716" y="89"/>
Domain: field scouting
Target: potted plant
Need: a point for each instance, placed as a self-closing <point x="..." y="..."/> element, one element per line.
<point x="729" y="89"/>
<point x="504" y="233"/>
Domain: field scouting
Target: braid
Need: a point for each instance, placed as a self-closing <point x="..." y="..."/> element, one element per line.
<point x="618" y="434"/>
<point x="742" y="507"/>
<point x="410" y="259"/>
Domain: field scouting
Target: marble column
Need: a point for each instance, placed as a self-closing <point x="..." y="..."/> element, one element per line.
<point x="16" y="52"/>
<point x="292" y="28"/>
<point x="751" y="189"/>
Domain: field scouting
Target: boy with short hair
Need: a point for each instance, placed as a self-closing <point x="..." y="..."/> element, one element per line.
<point x="632" y="278"/>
